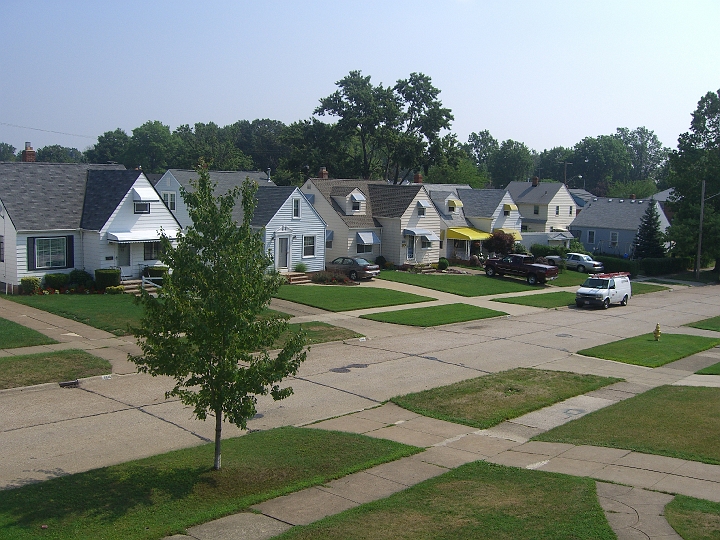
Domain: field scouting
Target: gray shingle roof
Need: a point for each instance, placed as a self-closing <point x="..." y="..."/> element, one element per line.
<point x="224" y="179"/>
<point x="105" y="190"/>
<point x="340" y="188"/>
<point x="525" y="193"/>
<point x="391" y="200"/>
<point x="450" y="219"/>
<point x="605" y="213"/>
<point x="581" y="196"/>
<point x="480" y="202"/>
<point x="45" y="196"/>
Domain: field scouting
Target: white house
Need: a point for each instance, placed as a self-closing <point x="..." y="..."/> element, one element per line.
<point x="544" y="206"/>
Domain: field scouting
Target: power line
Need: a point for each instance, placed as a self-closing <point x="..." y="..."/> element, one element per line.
<point x="47" y="130"/>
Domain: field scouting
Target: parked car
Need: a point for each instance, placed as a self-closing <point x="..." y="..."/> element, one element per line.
<point x="553" y="260"/>
<point x="604" y="289"/>
<point x="583" y="263"/>
<point x="521" y="265"/>
<point x="353" y="267"/>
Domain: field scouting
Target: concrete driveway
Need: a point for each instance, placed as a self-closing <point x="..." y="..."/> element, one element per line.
<point x="48" y="431"/>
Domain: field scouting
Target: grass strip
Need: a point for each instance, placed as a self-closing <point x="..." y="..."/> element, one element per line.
<point x="13" y="335"/>
<point x="462" y="285"/>
<point x="645" y="351"/>
<point x="675" y="421"/>
<point x="546" y="300"/>
<point x="346" y="298"/>
<point x="712" y="323"/>
<point x="435" y="316"/>
<point x="694" y="519"/>
<point x="568" y="278"/>
<point x="112" y="313"/>
<point x="486" y="401"/>
<point x="29" y="369"/>
<point x="317" y="332"/>
<point x="165" y="494"/>
<point x="477" y="500"/>
<point x="645" y="288"/>
<point x="710" y="370"/>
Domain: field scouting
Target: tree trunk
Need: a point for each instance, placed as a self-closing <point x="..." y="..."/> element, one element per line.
<point x="218" y="433"/>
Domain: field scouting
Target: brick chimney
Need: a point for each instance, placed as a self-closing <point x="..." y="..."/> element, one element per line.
<point x="632" y="197"/>
<point x="417" y="179"/>
<point x="535" y="181"/>
<point x="323" y="173"/>
<point x="28" y="155"/>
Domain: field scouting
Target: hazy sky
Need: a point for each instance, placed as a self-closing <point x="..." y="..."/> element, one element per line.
<point x="546" y="73"/>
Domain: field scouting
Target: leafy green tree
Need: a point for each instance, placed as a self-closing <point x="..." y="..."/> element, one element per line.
<point x="697" y="158"/>
<point x="499" y="242"/>
<point x="550" y="165"/>
<point x="642" y="189"/>
<point x="601" y="161"/>
<point x="480" y="147"/>
<point x="59" y="154"/>
<point x="112" y="146"/>
<point x="260" y="139"/>
<point x="7" y="152"/>
<point x="206" y="328"/>
<point x="463" y="171"/>
<point x="209" y="143"/>
<point x="649" y="241"/>
<point x="511" y="162"/>
<point x="647" y="154"/>
<point x="151" y="147"/>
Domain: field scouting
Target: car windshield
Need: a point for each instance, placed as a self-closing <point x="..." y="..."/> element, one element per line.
<point x="587" y="258"/>
<point x="361" y="261"/>
<point x="596" y="283"/>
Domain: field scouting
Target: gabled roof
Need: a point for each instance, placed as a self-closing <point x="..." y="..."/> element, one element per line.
<point x="105" y="190"/>
<point x="446" y="187"/>
<point x="45" y="196"/>
<point x="330" y="188"/>
<point x="392" y="201"/>
<point x="581" y="196"/>
<point x="481" y="202"/>
<point x="611" y="213"/>
<point x="225" y="179"/>
<point x="269" y="200"/>
<point x="525" y="193"/>
<point x="451" y="219"/>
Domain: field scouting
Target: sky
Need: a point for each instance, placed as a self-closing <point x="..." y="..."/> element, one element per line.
<point x="543" y="72"/>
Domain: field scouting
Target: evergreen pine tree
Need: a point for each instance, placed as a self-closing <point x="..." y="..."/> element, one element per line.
<point x="648" y="242"/>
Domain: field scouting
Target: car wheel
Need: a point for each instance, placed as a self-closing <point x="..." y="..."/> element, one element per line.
<point x="490" y="271"/>
<point x="578" y="303"/>
<point x="624" y="301"/>
<point x="606" y="303"/>
<point x="354" y="275"/>
<point x="532" y="279"/>
<point x="581" y="269"/>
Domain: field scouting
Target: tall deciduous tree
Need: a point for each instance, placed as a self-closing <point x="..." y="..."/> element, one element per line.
<point x="111" y="146"/>
<point x="649" y="241"/>
<point x="59" y="154"/>
<point x="7" y="152"/>
<point x="205" y="329"/>
<point x="151" y="147"/>
<point x="209" y="143"/>
<point x="647" y="154"/>
<point x="510" y="163"/>
<point x="601" y="161"/>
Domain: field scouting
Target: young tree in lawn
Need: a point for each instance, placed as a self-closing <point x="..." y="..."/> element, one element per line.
<point x="500" y="242"/>
<point x="206" y="328"/>
<point x="648" y="242"/>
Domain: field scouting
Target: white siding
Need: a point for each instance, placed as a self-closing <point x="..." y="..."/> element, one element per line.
<point x="564" y="200"/>
<point x="430" y="221"/>
<point x="343" y="237"/>
<point x="392" y="239"/>
<point x="501" y="221"/>
<point x="22" y="255"/>
<point x="8" y="268"/>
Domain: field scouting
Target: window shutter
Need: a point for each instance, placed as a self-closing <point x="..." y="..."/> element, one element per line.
<point x="31" y="253"/>
<point x="70" y="252"/>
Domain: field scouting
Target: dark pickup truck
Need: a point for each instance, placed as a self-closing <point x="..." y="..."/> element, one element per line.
<point x="521" y="265"/>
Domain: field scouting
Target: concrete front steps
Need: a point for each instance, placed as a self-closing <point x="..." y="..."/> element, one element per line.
<point x="296" y="278"/>
<point x="133" y="286"/>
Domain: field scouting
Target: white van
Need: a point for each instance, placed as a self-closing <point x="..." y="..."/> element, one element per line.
<point x="604" y="289"/>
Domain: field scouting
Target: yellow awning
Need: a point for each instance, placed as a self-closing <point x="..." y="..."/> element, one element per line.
<point x="509" y="207"/>
<point x="466" y="233"/>
<point x="457" y="203"/>
<point x="515" y="234"/>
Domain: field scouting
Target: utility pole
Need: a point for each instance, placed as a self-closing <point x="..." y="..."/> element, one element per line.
<point x="702" y="211"/>
<point x="566" y="163"/>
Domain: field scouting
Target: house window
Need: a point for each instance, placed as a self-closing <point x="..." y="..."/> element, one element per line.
<point x="557" y="210"/>
<point x="506" y="212"/>
<point x="425" y="244"/>
<point x="328" y="244"/>
<point x="2" y="249"/>
<point x="536" y="209"/>
<point x="613" y="239"/>
<point x="50" y="253"/>
<point x="421" y="211"/>
<point x="152" y="251"/>
<point x="169" y="199"/>
<point x="142" y="207"/>
<point x="364" y="248"/>
<point x="308" y="246"/>
<point x="591" y="237"/>
<point x="571" y="210"/>
<point x="296" y="208"/>
<point x="451" y="208"/>
<point x="356" y="206"/>
<point x="523" y="228"/>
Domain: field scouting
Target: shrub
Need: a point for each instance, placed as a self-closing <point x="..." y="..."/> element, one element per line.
<point x="80" y="278"/>
<point x="380" y="261"/>
<point x="301" y="267"/>
<point x="443" y="263"/>
<point x="616" y="264"/>
<point x="30" y="285"/>
<point x="330" y="278"/>
<point x="519" y="248"/>
<point x="118" y="289"/>
<point x="56" y="281"/>
<point x="664" y="265"/>
<point x="540" y="250"/>
<point x="107" y="277"/>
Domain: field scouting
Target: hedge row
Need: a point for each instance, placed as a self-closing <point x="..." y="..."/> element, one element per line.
<point x="647" y="267"/>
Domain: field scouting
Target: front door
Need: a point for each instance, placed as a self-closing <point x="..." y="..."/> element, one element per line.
<point x="283" y="253"/>
<point x="410" y="248"/>
<point x="124" y="259"/>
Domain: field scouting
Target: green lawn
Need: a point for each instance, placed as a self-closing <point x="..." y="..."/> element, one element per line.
<point x="710" y="370"/>
<point x="435" y="316"/>
<point x="477" y="500"/>
<point x="707" y="324"/>
<point x="346" y="298"/>
<point x="706" y="276"/>
<point x="486" y="401"/>
<point x="644" y="288"/>
<point x="165" y="494"/>
<point x="568" y="279"/>
<point x="694" y="519"/>
<point x="545" y="300"/>
<point x="645" y="351"/>
<point x="13" y="335"/>
<point x="675" y="421"/>
<point x="318" y="332"/>
<point x="113" y="313"/>
<point x="29" y="369"/>
<point x="462" y="285"/>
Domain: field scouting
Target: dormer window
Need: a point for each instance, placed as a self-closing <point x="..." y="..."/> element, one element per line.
<point x="356" y="206"/>
<point x="422" y="206"/>
<point x="141" y="207"/>
<point x="453" y="205"/>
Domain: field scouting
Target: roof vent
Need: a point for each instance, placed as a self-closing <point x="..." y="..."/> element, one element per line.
<point x="594" y="198"/>
<point x="632" y="201"/>
<point x="622" y="200"/>
<point x="640" y="202"/>
<point x="609" y="200"/>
